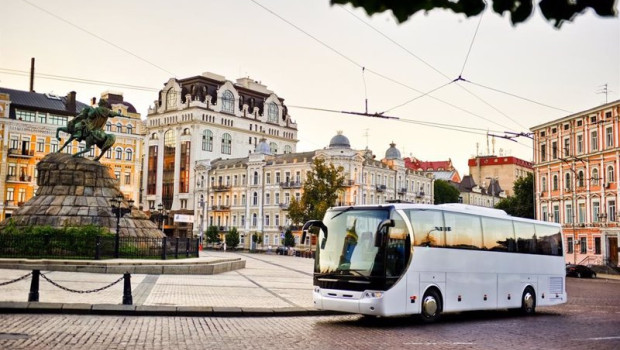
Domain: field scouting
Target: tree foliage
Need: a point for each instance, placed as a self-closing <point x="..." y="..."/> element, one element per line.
<point x="213" y="234"/>
<point x="557" y="11"/>
<point x="232" y="238"/>
<point x="289" y="240"/>
<point x="445" y="192"/>
<point x="520" y="204"/>
<point x="320" y="191"/>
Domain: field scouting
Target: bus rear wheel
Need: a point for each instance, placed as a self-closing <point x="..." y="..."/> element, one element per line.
<point x="528" y="301"/>
<point x="431" y="306"/>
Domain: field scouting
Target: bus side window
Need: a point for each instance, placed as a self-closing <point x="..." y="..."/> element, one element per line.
<point x="526" y="237"/>
<point x="428" y="227"/>
<point x="498" y="235"/>
<point x="464" y="231"/>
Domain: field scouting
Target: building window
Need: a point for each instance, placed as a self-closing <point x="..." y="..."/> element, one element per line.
<point x="583" y="245"/>
<point x="288" y="149"/>
<point x="610" y="174"/>
<point x="207" y="140"/>
<point x="171" y="98"/>
<point x="228" y="102"/>
<point x="108" y="126"/>
<point x="554" y="150"/>
<point x="254" y="220"/>
<point x="272" y="113"/>
<point x="579" y="144"/>
<point x="40" y="145"/>
<point x="273" y="147"/>
<point x="26" y="116"/>
<point x="57" y="120"/>
<point x="129" y="129"/>
<point x="226" y="144"/>
<point x="268" y="178"/>
<point x="566" y="147"/>
<point x="10" y="194"/>
<point x="54" y="146"/>
<point x="119" y="127"/>
<point x="594" y="140"/>
<point x="580" y="182"/>
<point x="42" y="118"/>
<point x="267" y="199"/>
<point x="555" y="182"/>
<point x="556" y="214"/>
<point x="611" y="210"/>
<point x="119" y="153"/>
<point x="595" y="177"/>
<point x="543" y="157"/>
<point x="569" y="244"/>
<point x="597" y="245"/>
<point x="267" y="223"/>
<point x="581" y="212"/>
<point x="609" y="137"/>
<point x="128" y="154"/>
<point x="595" y="211"/>
<point x="569" y="213"/>
<point x="127" y="178"/>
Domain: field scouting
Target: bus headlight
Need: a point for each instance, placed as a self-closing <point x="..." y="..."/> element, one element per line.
<point x="373" y="294"/>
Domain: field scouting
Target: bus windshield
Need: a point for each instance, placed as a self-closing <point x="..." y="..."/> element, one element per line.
<point x="350" y="245"/>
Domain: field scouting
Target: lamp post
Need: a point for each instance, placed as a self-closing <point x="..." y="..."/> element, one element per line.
<point x="119" y="211"/>
<point x="159" y="216"/>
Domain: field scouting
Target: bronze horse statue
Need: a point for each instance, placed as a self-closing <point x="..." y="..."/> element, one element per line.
<point x="88" y="126"/>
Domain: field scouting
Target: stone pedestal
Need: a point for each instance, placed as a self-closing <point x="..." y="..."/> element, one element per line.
<point x="77" y="192"/>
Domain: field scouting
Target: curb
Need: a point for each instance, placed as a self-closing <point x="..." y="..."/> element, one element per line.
<point x="153" y="310"/>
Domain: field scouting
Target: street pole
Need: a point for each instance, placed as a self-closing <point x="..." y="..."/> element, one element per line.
<point x="119" y="212"/>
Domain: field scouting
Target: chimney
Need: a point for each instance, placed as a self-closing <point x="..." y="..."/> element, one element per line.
<point x="32" y="74"/>
<point x="70" y="104"/>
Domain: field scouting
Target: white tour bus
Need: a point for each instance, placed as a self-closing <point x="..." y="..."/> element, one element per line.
<point x="399" y="259"/>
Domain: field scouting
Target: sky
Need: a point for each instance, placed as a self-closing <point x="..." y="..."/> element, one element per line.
<point x="320" y="57"/>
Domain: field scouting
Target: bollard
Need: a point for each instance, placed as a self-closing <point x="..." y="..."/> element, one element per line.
<point x="164" y="243"/>
<point x="127" y="298"/>
<point x="34" y="286"/>
<point x="176" y="248"/>
<point x="98" y="248"/>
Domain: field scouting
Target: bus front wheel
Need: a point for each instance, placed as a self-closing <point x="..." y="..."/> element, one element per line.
<point x="528" y="301"/>
<point x="431" y="306"/>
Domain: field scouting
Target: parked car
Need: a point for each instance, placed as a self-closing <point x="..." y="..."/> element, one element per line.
<point x="579" y="271"/>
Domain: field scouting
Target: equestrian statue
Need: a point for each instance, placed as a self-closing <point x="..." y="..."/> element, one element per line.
<point x="88" y="126"/>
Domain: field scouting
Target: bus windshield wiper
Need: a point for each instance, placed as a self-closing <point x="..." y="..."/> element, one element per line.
<point x="342" y="212"/>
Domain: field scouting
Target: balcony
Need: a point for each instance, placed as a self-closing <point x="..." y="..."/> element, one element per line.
<point x="419" y="194"/>
<point x="10" y="204"/>
<point x="284" y="206"/>
<point x="402" y="190"/>
<point x="220" y="188"/>
<point x="19" y="153"/>
<point x="220" y="207"/>
<point x="290" y="184"/>
<point x="348" y="183"/>
<point x="380" y="188"/>
<point x="223" y="229"/>
<point x="15" y="178"/>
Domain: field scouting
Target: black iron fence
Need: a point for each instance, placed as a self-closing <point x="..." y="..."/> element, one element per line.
<point x="99" y="247"/>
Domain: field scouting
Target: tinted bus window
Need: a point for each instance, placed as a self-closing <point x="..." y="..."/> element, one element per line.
<point x="526" y="237"/>
<point x="549" y="240"/>
<point x="463" y="231"/>
<point x="498" y="235"/>
<point x="428" y="227"/>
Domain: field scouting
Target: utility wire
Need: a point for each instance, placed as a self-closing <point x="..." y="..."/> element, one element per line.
<point x="420" y="96"/>
<point x="471" y="45"/>
<point x="99" y="37"/>
<point x="77" y="80"/>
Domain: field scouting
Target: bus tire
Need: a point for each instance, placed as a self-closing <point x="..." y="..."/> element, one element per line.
<point x="528" y="301"/>
<point x="431" y="306"/>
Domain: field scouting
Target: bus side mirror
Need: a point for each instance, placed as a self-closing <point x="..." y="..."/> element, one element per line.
<point x="315" y="223"/>
<point x="379" y="234"/>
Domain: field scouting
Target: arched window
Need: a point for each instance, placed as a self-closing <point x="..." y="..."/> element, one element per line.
<point x="256" y="178"/>
<point x="171" y="98"/>
<point x="272" y="113"/>
<point x="108" y="126"/>
<point x="543" y="184"/>
<point x="207" y="140"/>
<point x="254" y="219"/>
<point x="255" y="199"/>
<point x="129" y="129"/>
<point x="610" y="174"/>
<point x="228" y="102"/>
<point x="580" y="178"/>
<point x="273" y="147"/>
<point x="129" y="154"/>
<point x="555" y="182"/>
<point x="595" y="177"/>
<point x="119" y="153"/>
<point x="119" y="127"/>
<point x="226" y="143"/>
<point x="108" y="153"/>
<point x="288" y="149"/>
<point x="567" y="184"/>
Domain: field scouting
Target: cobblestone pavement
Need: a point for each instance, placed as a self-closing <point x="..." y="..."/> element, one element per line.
<point x="590" y="320"/>
<point x="268" y="281"/>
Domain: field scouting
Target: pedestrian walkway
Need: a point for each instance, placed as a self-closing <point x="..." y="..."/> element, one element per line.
<point x="269" y="284"/>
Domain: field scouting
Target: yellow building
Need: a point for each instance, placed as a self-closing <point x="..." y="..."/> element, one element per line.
<point x="28" y="123"/>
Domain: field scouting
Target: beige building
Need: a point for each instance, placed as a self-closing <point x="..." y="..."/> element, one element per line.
<point x="253" y="193"/>
<point x="505" y="169"/>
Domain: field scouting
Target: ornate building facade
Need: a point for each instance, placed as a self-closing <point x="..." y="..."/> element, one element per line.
<point x="28" y="123"/>
<point x="253" y="193"/>
<point x="576" y="169"/>
<point x="205" y="118"/>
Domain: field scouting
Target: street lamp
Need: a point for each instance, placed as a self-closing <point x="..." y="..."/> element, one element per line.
<point x="159" y="216"/>
<point x="119" y="211"/>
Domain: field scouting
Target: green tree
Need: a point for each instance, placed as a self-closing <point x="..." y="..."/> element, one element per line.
<point x="320" y="191"/>
<point x="232" y="238"/>
<point x="257" y="239"/>
<point x="445" y="192"/>
<point x="521" y="203"/>
<point x="289" y="240"/>
<point x="213" y="234"/>
<point x="557" y="11"/>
